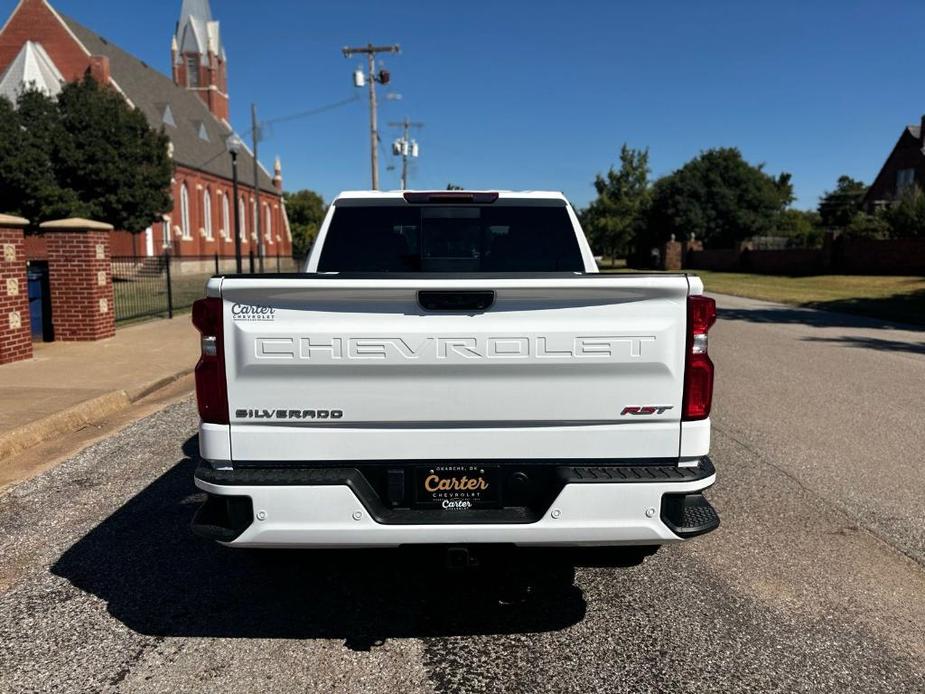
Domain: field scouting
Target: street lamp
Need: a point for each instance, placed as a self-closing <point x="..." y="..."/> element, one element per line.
<point x="234" y="145"/>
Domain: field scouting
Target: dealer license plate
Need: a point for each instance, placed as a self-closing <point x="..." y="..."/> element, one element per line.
<point x="457" y="487"/>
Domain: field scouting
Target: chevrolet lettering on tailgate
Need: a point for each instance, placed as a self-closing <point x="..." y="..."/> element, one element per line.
<point x="452" y="348"/>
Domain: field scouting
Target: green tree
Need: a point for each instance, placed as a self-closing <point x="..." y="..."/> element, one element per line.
<point x="30" y="140"/>
<point x="111" y="158"/>
<point x="306" y="210"/>
<point x="907" y="216"/>
<point x="615" y="217"/>
<point x="719" y="198"/>
<point x="801" y="227"/>
<point x="86" y="153"/>
<point x="868" y="226"/>
<point x="10" y="147"/>
<point x="838" y="207"/>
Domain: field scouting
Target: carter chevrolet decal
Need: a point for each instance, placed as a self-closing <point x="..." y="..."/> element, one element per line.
<point x="248" y="312"/>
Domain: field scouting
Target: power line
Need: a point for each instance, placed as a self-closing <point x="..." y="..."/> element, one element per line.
<point x="283" y="119"/>
<point x="311" y="112"/>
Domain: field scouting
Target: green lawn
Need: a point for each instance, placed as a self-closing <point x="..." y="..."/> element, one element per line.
<point x="188" y="288"/>
<point x="892" y="298"/>
<point x="888" y="297"/>
<point x="149" y="295"/>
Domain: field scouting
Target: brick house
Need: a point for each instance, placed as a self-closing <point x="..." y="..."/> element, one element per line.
<point x="42" y="47"/>
<point x="904" y="167"/>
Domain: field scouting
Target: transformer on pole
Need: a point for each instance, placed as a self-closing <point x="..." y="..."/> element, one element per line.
<point x="405" y="147"/>
<point x="359" y="80"/>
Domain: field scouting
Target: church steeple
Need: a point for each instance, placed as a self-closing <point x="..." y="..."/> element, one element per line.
<point x="198" y="56"/>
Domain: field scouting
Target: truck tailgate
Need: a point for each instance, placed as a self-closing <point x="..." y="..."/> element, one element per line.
<point x="355" y="369"/>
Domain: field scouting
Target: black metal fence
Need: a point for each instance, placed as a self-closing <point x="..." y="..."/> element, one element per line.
<point x="146" y="286"/>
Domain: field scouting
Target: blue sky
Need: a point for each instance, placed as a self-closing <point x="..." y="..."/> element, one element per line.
<point x="542" y="94"/>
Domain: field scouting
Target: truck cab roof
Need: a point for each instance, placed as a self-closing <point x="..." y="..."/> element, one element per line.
<point x="400" y="194"/>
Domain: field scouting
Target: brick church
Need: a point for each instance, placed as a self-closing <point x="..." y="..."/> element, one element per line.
<point x="41" y="47"/>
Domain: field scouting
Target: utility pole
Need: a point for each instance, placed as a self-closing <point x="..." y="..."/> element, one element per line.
<point x="372" y="77"/>
<point x="405" y="147"/>
<point x="255" y="138"/>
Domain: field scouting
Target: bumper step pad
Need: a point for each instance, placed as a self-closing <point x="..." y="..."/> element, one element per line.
<point x="687" y="515"/>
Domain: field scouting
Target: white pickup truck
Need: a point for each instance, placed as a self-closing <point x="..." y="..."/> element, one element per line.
<point x="451" y="369"/>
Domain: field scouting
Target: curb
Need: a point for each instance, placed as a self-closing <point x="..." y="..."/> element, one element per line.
<point x="78" y="416"/>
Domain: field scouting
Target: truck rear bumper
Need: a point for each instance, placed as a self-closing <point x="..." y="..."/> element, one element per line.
<point x="588" y="511"/>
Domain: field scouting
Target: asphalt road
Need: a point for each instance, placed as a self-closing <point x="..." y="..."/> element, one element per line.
<point x="814" y="582"/>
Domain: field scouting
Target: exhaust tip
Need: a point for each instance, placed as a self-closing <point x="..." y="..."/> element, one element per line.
<point x="223" y="518"/>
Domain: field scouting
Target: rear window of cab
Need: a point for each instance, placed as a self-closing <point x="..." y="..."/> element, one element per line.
<point x="450" y="238"/>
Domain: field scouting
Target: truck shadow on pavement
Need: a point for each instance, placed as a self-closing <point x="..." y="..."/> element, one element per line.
<point x="862" y="342"/>
<point x="826" y="319"/>
<point x="814" y="316"/>
<point x="160" y="580"/>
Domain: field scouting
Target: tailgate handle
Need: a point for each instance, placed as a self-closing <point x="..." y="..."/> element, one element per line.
<point x="456" y="300"/>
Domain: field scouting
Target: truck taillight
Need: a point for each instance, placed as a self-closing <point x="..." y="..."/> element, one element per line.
<point x="211" y="389"/>
<point x="698" y="369"/>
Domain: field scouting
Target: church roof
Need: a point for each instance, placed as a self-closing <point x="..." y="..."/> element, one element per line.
<point x="197" y="32"/>
<point x="198" y="9"/>
<point x="198" y="137"/>
<point x="31" y="66"/>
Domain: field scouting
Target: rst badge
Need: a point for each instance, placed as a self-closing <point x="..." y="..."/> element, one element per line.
<point x="645" y="410"/>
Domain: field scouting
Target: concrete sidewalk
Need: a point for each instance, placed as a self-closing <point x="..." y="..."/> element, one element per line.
<point x="70" y="384"/>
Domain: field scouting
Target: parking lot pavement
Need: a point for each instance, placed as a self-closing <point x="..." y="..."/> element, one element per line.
<point x="833" y="401"/>
<point x="103" y="588"/>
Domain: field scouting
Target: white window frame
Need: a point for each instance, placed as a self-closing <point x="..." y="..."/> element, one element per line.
<point x="268" y="223"/>
<point x="242" y="214"/>
<point x="254" y="220"/>
<point x="184" y="213"/>
<point x="207" y="214"/>
<point x="165" y="232"/>
<point x="226" y="217"/>
<point x="193" y="65"/>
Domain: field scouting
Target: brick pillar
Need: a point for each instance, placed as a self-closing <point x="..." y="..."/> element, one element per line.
<point x="15" y="326"/>
<point x="671" y="256"/>
<point x="80" y="275"/>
